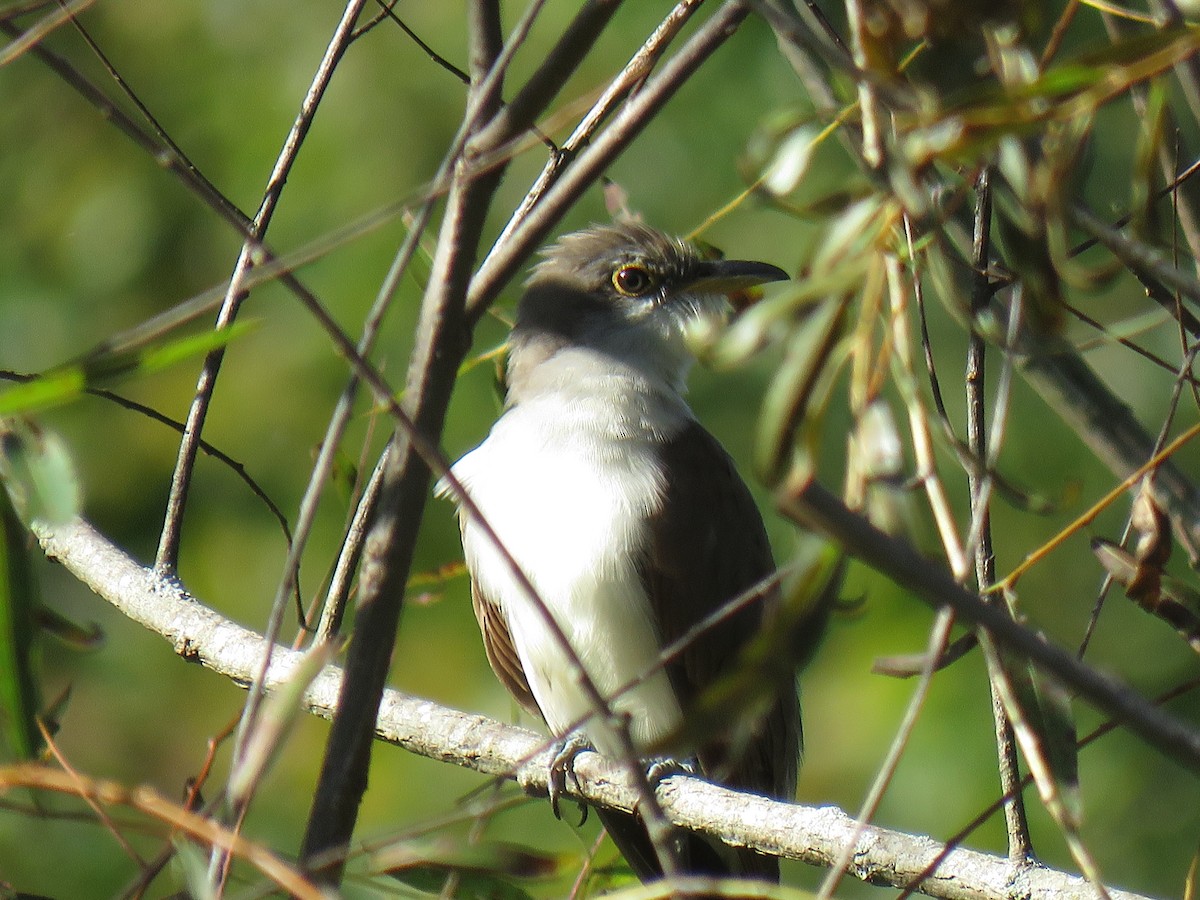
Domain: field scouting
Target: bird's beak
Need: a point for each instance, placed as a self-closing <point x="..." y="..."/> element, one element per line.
<point x="729" y="276"/>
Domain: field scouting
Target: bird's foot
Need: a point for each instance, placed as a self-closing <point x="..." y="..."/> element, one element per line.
<point x="562" y="766"/>
<point x="660" y="768"/>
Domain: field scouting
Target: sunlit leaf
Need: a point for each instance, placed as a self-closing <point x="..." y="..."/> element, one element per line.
<point x="855" y="232"/>
<point x="37" y="471"/>
<point x="108" y="365"/>
<point x="793" y="306"/>
<point x="52" y="389"/>
<point x="790" y="161"/>
<point x="799" y="385"/>
<point x="277" y="716"/>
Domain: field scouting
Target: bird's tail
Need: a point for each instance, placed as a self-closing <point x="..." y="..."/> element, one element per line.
<point x="697" y="855"/>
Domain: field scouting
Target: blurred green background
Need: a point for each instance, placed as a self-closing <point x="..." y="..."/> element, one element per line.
<point x="96" y="238"/>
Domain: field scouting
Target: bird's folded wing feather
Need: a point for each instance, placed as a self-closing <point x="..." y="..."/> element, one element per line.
<point x="709" y="545"/>
<point x="501" y="653"/>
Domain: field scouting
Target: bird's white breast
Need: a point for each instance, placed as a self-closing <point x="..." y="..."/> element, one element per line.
<point x="568" y="483"/>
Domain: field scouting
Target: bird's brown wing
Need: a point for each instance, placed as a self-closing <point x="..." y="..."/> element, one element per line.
<point x="498" y="645"/>
<point x="708" y="544"/>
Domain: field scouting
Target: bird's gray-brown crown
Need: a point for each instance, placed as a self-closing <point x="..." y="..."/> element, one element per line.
<point x="608" y="276"/>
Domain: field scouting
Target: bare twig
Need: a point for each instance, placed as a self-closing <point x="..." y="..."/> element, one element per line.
<point x="24" y="41"/>
<point x="1020" y="847"/>
<point x="343" y="778"/>
<point x="503" y="261"/>
<point x="168" y="545"/>
<point x="939" y="636"/>
<point x="636" y="70"/>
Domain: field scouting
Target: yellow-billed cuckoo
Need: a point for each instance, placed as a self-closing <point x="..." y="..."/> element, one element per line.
<point x="628" y="518"/>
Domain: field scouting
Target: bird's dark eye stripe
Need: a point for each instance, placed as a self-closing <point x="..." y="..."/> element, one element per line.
<point x="633" y="281"/>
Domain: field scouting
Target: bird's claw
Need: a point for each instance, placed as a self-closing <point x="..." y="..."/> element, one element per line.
<point x="660" y="768"/>
<point x="562" y="766"/>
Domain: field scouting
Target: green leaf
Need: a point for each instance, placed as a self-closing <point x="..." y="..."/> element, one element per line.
<point x="789" y="163"/>
<point x="74" y="635"/>
<point x="277" y="717"/>
<point x="108" y="365"/>
<point x="480" y="870"/>
<point x="19" y="696"/>
<point x="191" y="864"/>
<point x="801" y="384"/>
<point x="1041" y="716"/>
<point x="38" y="473"/>
<point x="52" y="389"/>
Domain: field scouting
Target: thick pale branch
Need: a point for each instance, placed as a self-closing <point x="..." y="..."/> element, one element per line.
<point x="814" y="835"/>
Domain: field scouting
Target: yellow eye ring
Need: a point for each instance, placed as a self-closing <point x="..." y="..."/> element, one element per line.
<point x="633" y="281"/>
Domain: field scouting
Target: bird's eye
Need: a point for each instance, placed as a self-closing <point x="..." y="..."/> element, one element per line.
<point x="633" y="281"/>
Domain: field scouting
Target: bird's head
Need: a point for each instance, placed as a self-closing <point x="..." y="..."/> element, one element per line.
<point x="629" y="291"/>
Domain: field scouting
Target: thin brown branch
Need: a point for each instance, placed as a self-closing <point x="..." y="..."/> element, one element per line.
<point x="504" y="260"/>
<point x="635" y="71"/>
<point x="441" y="341"/>
<point x="1020" y="846"/>
<point x="172" y="530"/>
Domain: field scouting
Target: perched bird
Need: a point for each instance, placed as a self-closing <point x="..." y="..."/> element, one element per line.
<point x="628" y="518"/>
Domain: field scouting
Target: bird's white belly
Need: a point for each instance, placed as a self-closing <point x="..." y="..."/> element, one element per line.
<point x="575" y="523"/>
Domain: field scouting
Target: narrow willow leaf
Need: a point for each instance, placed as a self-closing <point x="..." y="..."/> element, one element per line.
<point x="276" y="719"/>
<point x="798" y="386"/>
<point x="38" y="473"/>
<point x="876" y="464"/>
<point x="19" y="696"/>
<point x="191" y="864"/>
<point x="1041" y="716"/>
<point x="74" y="635"/>
<point x="788" y="165"/>
<point x="146" y="360"/>
<point x="419" y="860"/>
<point x="852" y="234"/>
<point x="494" y="355"/>
<point x="973" y="123"/>
<point x="789" y="308"/>
<point x="109" y="365"/>
<point x="52" y="389"/>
